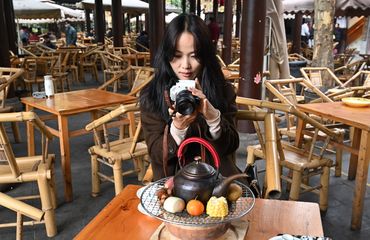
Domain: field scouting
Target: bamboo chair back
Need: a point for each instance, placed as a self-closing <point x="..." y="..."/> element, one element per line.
<point x="88" y="61"/>
<point x="113" y="153"/>
<point x="141" y="77"/>
<point x="317" y="75"/>
<point x="303" y="162"/>
<point x="7" y="77"/>
<point x="363" y="90"/>
<point x="221" y="61"/>
<point x="39" y="169"/>
<point x="345" y="72"/>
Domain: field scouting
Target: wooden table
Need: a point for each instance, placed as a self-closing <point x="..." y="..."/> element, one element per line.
<point x="359" y="118"/>
<point x="63" y="105"/>
<point x="120" y="219"/>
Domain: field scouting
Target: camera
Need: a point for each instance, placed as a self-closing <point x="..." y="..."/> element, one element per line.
<point x="185" y="102"/>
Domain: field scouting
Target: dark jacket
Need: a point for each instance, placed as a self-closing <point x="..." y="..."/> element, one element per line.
<point x="225" y="145"/>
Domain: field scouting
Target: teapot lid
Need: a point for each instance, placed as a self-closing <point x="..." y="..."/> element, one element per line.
<point x="198" y="169"/>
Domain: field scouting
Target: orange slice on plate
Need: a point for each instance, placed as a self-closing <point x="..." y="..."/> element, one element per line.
<point x="356" y="101"/>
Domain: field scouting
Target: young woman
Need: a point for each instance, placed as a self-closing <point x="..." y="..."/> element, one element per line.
<point x="187" y="53"/>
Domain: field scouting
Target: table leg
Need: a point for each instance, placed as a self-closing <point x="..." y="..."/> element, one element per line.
<point x="30" y="135"/>
<point x="65" y="157"/>
<point x="361" y="179"/>
<point x="353" y="159"/>
<point x="299" y="133"/>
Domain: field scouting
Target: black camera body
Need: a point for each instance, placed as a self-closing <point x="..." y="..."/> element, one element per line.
<point x="186" y="103"/>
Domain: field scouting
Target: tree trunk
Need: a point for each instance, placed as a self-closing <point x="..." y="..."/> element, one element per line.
<point x="323" y="35"/>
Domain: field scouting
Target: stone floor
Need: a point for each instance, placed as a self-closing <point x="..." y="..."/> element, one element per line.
<point x="72" y="217"/>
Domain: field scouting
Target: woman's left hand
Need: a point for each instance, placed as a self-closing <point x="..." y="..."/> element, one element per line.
<point x="206" y="108"/>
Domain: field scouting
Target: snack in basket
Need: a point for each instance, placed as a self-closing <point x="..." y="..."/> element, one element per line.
<point x="217" y="207"/>
<point x="174" y="204"/>
<point x="195" y="207"/>
<point x="234" y="192"/>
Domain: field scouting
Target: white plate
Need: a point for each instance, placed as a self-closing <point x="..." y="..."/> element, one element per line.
<point x="142" y="210"/>
<point x="140" y="191"/>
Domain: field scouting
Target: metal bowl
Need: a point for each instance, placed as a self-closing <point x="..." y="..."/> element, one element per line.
<point x="151" y="204"/>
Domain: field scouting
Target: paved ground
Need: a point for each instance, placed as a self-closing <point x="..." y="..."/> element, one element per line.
<point x="72" y="217"/>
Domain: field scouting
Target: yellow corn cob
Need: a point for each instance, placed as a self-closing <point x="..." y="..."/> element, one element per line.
<point x="217" y="207"/>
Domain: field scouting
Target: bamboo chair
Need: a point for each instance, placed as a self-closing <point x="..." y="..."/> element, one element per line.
<point x="72" y="64"/>
<point x="268" y="140"/>
<point x="344" y="73"/>
<point x="39" y="169"/>
<point x="60" y="71"/>
<point x="22" y="209"/>
<point x="361" y="89"/>
<point x="318" y="75"/>
<point x="142" y="76"/>
<point x="114" y="153"/>
<point x="304" y="163"/>
<point x="7" y="77"/>
<point x="35" y="68"/>
<point x="285" y="91"/>
<point x="127" y="53"/>
<point x="88" y="63"/>
<point x="221" y="61"/>
<point x="113" y="65"/>
<point x="297" y="57"/>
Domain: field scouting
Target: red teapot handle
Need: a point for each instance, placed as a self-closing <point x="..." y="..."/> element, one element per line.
<point x="210" y="148"/>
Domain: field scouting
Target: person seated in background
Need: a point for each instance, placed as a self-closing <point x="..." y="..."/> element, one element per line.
<point x="48" y="41"/>
<point x="142" y="41"/>
<point x="34" y="38"/>
<point x="109" y="33"/>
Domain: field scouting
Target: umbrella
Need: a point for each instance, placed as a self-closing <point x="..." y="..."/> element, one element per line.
<point x="348" y="8"/>
<point x="133" y="6"/>
<point x="35" y="9"/>
<point x="279" y="65"/>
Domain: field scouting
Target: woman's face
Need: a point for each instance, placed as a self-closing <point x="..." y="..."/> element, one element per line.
<point x="185" y="63"/>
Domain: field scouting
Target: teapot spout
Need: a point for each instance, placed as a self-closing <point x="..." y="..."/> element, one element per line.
<point x="222" y="187"/>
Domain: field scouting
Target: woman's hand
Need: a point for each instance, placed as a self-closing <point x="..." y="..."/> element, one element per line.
<point x="183" y="121"/>
<point x="206" y="108"/>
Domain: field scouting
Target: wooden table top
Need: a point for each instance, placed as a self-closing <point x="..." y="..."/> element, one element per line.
<point x="120" y="219"/>
<point x="77" y="101"/>
<point x="338" y="111"/>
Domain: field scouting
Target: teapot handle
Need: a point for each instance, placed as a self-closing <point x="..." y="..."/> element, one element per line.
<point x="210" y="148"/>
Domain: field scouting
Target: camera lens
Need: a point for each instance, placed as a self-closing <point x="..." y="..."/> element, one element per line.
<point x="186" y="103"/>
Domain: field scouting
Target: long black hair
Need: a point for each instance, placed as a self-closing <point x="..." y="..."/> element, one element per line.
<point x="210" y="77"/>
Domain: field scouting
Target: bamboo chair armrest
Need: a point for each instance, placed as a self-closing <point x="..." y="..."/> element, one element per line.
<point x="253" y="115"/>
<point x="133" y="92"/>
<point x="122" y="109"/>
<point x="286" y="108"/>
<point x="250" y="115"/>
<point x="22" y="207"/>
<point x="27" y="116"/>
<point x="112" y="80"/>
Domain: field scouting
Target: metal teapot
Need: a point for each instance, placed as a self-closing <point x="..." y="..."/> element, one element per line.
<point x="199" y="180"/>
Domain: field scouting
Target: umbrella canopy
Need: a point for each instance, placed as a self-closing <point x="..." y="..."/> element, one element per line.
<point x="131" y="6"/>
<point x="348" y="8"/>
<point x="66" y="12"/>
<point x="35" y="9"/>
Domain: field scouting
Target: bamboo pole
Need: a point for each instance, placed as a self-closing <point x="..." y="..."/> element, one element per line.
<point x="122" y="109"/>
<point x="273" y="184"/>
<point x="21" y="207"/>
